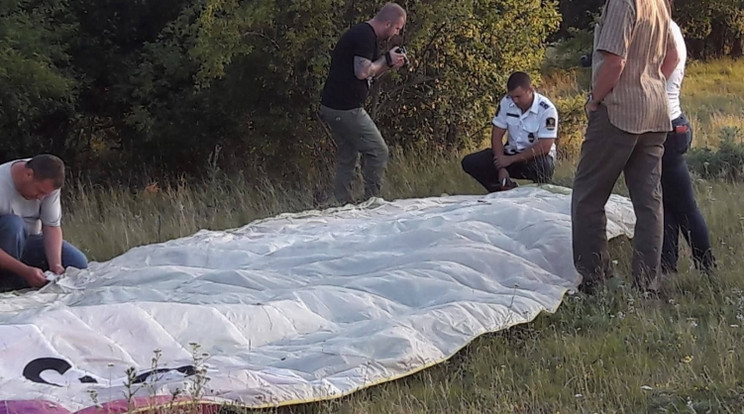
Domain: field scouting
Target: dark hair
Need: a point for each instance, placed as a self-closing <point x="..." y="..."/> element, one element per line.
<point x="518" y="80"/>
<point x="48" y="167"/>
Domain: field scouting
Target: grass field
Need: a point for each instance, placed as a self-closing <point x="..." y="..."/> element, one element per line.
<point x="616" y="352"/>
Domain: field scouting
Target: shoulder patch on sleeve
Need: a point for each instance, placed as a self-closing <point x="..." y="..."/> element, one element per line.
<point x="508" y="101"/>
<point x="550" y="123"/>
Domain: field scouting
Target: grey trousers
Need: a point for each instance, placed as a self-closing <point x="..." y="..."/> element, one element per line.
<point x="605" y="153"/>
<point x="355" y="133"/>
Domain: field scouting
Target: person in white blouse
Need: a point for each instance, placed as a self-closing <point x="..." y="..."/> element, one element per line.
<point x="681" y="212"/>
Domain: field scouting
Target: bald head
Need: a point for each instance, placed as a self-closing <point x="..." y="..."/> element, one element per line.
<point x="390" y="12"/>
<point x="389" y="21"/>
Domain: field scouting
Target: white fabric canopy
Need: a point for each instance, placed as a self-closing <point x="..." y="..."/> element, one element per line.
<point x="298" y="307"/>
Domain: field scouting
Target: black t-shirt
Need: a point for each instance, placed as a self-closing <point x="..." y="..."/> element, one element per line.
<point x="342" y="88"/>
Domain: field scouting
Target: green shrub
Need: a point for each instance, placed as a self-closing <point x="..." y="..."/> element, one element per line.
<point x="164" y="83"/>
<point x="566" y="52"/>
<point x="725" y="163"/>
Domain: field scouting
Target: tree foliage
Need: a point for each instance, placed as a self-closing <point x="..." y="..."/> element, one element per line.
<point x="578" y="14"/>
<point x="165" y="83"/>
<point x="37" y="84"/>
<point x="117" y="85"/>
<point x="712" y="28"/>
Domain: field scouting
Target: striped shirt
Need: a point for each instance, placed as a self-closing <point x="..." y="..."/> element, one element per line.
<point x="638" y="31"/>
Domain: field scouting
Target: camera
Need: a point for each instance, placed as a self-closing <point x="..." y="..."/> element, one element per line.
<point x="402" y="50"/>
<point x="586" y="60"/>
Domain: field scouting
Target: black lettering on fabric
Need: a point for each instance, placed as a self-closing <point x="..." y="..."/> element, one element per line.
<point x="187" y="370"/>
<point x="33" y="370"/>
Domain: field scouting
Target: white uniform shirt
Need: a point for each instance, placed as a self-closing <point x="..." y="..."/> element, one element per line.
<point x="34" y="213"/>
<point x="674" y="83"/>
<point x="524" y="129"/>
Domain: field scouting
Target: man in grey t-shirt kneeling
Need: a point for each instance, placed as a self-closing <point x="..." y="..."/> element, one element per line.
<point x="31" y="240"/>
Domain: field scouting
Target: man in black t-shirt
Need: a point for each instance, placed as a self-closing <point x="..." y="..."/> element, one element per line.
<point x="354" y="64"/>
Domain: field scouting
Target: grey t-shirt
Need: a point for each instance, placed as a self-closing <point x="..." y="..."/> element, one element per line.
<point x="46" y="211"/>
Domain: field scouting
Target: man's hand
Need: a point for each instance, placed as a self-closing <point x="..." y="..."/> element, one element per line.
<point x="590" y="107"/>
<point x="505" y="181"/>
<point x="397" y="59"/>
<point x="34" y="276"/>
<point x="57" y="269"/>
<point x="502" y="161"/>
<point x="503" y="175"/>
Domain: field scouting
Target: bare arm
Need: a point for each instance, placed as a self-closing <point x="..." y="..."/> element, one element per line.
<point x="11" y="264"/>
<point x="34" y="276"/>
<point x="497" y="146"/>
<point x="497" y="141"/>
<point x="53" y="247"/>
<point x="670" y="60"/>
<point x="365" y="68"/>
<point x="608" y="75"/>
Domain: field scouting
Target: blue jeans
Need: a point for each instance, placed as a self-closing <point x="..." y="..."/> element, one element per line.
<point x="29" y="249"/>
<point x="681" y="212"/>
